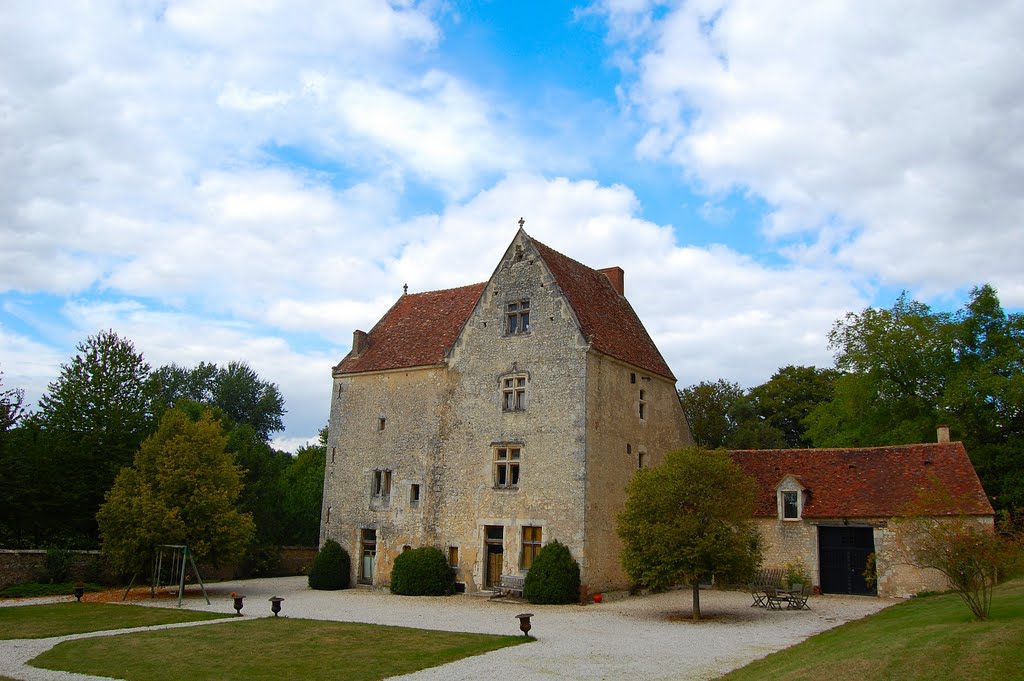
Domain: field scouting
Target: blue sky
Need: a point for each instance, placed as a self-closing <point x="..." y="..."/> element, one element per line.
<point x="219" y="180"/>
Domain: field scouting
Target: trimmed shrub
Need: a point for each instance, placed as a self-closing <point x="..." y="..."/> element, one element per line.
<point x="331" y="568"/>
<point x="554" y="576"/>
<point x="422" y="572"/>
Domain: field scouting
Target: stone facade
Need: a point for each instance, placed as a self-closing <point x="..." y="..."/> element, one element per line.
<point x="511" y="438"/>
<point x="833" y="509"/>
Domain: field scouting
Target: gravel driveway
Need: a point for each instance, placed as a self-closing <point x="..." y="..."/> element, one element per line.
<point x="648" y="637"/>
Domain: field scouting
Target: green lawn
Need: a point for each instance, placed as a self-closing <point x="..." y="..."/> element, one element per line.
<point x="269" y="648"/>
<point x="928" y="639"/>
<point x="58" y="619"/>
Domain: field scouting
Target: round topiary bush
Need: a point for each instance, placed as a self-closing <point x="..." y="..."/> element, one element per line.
<point x="554" y="576"/>
<point x="422" y="572"/>
<point x="331" y="568"/>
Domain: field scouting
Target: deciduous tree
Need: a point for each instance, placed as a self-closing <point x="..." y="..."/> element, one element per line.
<point x="688" y="520"/>
<point x="93" y="419"/>
<point x="181" y="489"/>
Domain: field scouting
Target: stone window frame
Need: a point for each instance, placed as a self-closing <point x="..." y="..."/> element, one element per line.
<point x="506" y="467"/>
<point x="517" y="317"/>
<point x="514" y="391"/>
<point x="790" y="486"/>
<point x="531" y="542"/>
<point x="643" y="404"/>
<point x="415" y="494"/>
<point x="380" y="483"/>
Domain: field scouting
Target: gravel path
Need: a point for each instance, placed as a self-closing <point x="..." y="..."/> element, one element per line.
<point x="646" y="637"/>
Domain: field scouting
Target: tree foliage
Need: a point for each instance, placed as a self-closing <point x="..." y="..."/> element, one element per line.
<point x="12" y="407"/>
<point x="181" y="489"/>
<point x="302" y="489"/>
<point x="92" y="420"/>
<point x="908" y="368"/>
<point x="970" y="554"/>
<point x="786" y="399"/>
<point x="236" y="389"/>
<point x="706" y="406"/>
<point x="688" y="520"/>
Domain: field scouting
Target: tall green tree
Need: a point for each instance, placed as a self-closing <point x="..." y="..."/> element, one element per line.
<point x="181" y="489"/>
<point x="93" y="418"/>
<point x="235" y="389"/>
<point x="688" y="520"/>
<point x="907" y="369"/>
<point x="706" y="406"/>
<point x="786" y="399"/>
<point x="12" y="406"/>
<point x="302" y="488"/>
<point x="895" y="365"/>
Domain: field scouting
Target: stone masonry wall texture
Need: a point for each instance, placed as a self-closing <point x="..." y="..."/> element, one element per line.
<point x="443" y="422"/>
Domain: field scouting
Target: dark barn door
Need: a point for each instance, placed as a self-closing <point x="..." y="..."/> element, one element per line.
<point x="844" y="555"/>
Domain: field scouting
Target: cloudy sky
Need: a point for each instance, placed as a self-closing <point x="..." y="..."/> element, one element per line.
<point x="223" y="180"/>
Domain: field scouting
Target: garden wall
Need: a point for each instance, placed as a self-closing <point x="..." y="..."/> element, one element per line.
<point x="26" y="565"/>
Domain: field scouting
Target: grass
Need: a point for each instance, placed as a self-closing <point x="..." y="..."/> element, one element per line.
<point x="59" y="619"/>
<point x="33" y="589"/>
<point x="269" y="648"/>
<point x="927" y="639"/>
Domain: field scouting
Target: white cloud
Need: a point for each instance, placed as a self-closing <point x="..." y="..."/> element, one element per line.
<point x="893" y="135"/>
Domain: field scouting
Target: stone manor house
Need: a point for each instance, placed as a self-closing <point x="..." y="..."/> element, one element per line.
<point x="490" y="419"/>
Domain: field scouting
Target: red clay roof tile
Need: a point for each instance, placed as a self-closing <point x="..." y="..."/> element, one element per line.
<point x="418" y="330"/>
<point x="421" y="327"/>
<point x="866" y="482"/>
<point x="607" y="319"/>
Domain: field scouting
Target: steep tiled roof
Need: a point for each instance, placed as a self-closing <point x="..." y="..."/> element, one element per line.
<point x="607" y="319"/>
<point x="416" y="331"/>
<point x="867" y="482"/>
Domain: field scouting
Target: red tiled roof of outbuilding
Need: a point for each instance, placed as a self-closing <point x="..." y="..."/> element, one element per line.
<point x="418" y="330"/>
<point x="867" y="482"/>
<point x="607" y="319"/>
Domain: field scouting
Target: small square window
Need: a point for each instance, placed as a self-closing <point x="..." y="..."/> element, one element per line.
<point x="632" y="378"/>
<point x="453" y="556"/>
<point x="414" y="494"/>
<point x="790" y="505"/>
<point x="381" y="423"/>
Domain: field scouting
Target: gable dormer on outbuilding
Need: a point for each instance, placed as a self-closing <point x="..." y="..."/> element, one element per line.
<point x="789" y="494"/>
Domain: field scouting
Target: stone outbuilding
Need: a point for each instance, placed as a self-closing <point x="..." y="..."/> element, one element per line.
<point x="490" y="419"/>
<point x="831" y="509"/>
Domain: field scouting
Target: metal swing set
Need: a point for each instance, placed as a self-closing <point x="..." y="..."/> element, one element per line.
<point x="178" y="558"/>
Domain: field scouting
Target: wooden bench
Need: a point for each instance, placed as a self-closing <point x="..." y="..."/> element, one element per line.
<point x="510" y="585"/>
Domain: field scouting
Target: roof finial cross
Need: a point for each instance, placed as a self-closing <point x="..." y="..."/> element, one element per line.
<point x="521" y="223"/>
<point x="405" y="289"/>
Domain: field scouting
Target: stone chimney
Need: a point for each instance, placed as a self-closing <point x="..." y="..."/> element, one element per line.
<point x="359" y="342"/>
<point x="943" y="433"/>
<point x="617" y="277"/>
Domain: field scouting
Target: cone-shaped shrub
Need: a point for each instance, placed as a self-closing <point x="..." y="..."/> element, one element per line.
<point x="421" y="572"/>
<point x="554" y="576"/>
<point x="331" y="568"/>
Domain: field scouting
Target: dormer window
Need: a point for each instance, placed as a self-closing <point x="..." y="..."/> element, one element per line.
<point x="790" y="495"/>
<point x="517" y="317"/>
<point x="791" y="506"/>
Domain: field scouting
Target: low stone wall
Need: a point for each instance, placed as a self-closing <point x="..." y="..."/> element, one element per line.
<point x="27" y="565"/>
